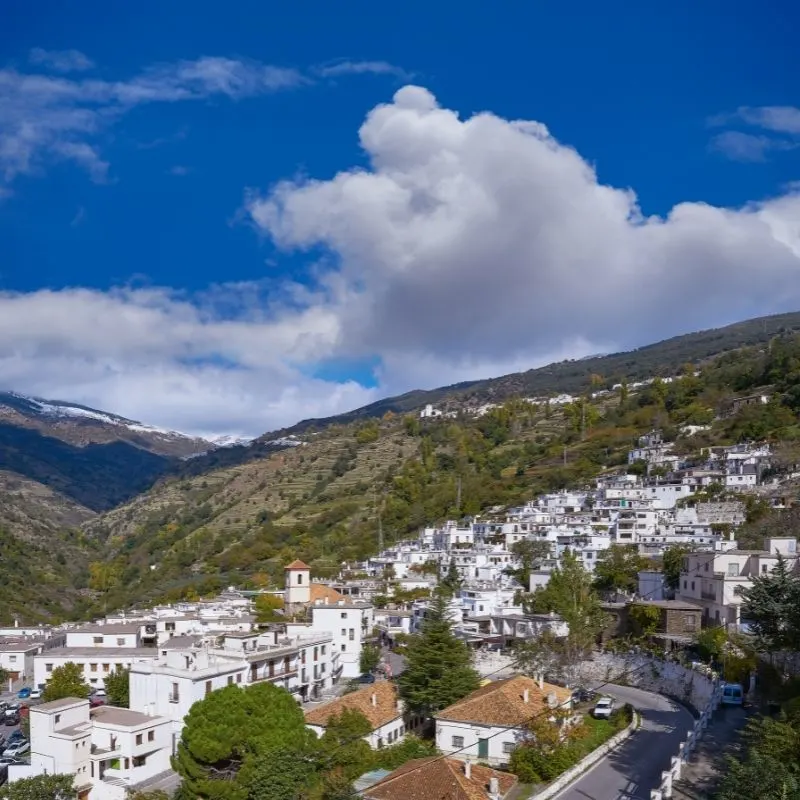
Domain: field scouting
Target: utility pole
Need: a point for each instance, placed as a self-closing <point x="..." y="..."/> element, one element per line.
<point x="458" y="496"/>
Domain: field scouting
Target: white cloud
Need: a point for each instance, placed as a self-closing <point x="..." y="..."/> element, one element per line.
<point x="469" y="248"/>
<point x="61" y="60"/>
<point x="771" y="120"/>
<point x="471" y="245"/>
<point x="346" y="67"/>
<point x="739" y="146"/>
<point x="43" y="117"/>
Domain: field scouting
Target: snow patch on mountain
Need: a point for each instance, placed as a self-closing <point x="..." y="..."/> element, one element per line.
<point x="286" y="441"/>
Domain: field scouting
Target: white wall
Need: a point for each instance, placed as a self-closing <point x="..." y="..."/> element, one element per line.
<point x="471" y="734"/>
<point x="104" y="663"/>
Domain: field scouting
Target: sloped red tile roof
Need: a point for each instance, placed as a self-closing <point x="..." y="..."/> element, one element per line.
<point x="384" y="710"/>
<point x="297" y="564"/>
<point x="438" y="778"/>
<point x="503" y="702"/>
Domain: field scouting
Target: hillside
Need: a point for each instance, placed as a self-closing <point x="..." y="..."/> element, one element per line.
<point x="662" y="358"/>
<point x="325" y="501"/>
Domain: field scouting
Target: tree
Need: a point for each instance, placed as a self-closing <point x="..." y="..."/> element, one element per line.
<point x="337" y="786"/>
<point x="711" y="643"/>
<point x="451" y="582"/>
<point x="234" y="737"/>
<point x="439" y="669"/>
<point x="117" y="685"/>
<point x="103" y="577"/>
<point x="770" y="605"/>
<point x="369" y="659"/>
<point x="530" y="554"/>
<point x="540" y="656"/>
<point x="343" y="745"/>
<point x="41" y="787"/>
<point x="65" y="681"/>
<point x="645" y="617"/>
<point x="618" y="568"/>
<point x="3" y="679"/>
<point x="570" y="594"/>
<point x="266" y="608"/>
<point x="672" y="564"/>
<point x="156" y="794"/>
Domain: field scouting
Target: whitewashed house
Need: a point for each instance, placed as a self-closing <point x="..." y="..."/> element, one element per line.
<point x="489" y="723"/>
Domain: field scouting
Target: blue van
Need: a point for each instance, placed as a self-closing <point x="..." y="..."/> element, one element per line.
<point x="732" y="694"/>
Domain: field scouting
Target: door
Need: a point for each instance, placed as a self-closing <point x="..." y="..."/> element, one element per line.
<point x="483" y="748"/>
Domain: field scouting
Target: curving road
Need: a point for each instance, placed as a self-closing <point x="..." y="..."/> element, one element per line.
<point x="634" y="768"/>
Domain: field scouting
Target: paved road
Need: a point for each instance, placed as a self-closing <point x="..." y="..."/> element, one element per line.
<point x="634" y="768"/>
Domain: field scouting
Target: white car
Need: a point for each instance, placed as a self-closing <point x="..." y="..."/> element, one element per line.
<point x="603" y="708"/>
<point x="36" y="694"/>
<point x="16" y="749"/>
<point x="99" y="692"/>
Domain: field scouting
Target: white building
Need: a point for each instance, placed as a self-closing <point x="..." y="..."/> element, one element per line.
<point x="109" y="750"/>
<point x="94" y="662"/>
<point x="349" y="625"/>
<point x="16" y="657"/>
<point x="382" y="707"/>
<point x="169" y="686"/>
<point x="488" y="724"/>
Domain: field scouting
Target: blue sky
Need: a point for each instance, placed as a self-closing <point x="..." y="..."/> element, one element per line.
<point x="142" y="149"/>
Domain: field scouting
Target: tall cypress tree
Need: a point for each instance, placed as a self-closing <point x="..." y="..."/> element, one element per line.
<point x="439" y="669"/>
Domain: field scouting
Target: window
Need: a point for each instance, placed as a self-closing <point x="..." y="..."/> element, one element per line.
<point x="684" y="584"/>
<point x="58" y="718"/>
<point x="692" y="585"/>
<point x="98" y="640"/>
<point x="344" y="615"/>
<point x="151" y="736"/>
<point x="689" y="622"/>
<point x="170" y="626"/>
<point x="458" y="741"/>
<point x="344" y="631"/>
<point x="48" y="667"/>
<point x="138" y="738"/>
<point x="230" y="680"/>
<point x="120" y="641"/>
<point x="208" y="687"/>
<point x="299" y="578"/>
<point x="106" y="667"/>
<point x="323" y="649"/>
<point x="12" y="658"/>
<point x="344" y="648"/>
<point x="733" y="570"/>
<point x="352" y="634"/>
<point x="92" y="667"/>
<point x="508" y="747"/>
<point x="239" y="678"/>
<point x="706" y="566"/>
<point x="139" y="761"/>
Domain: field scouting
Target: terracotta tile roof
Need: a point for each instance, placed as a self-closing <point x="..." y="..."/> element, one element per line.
<point x="297" y="564"/>
<point x="321" y="592"/>
<point x="503" y="702"/>
<point x="384" y="710"/>
<point x="438" y="778"/>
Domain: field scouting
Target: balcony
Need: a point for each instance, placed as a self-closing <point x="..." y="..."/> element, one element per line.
<point x="104" y="752"/>
<point x="708" y="594"/>
<point x="174" y="698"/>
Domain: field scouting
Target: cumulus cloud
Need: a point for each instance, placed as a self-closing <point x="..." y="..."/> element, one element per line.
<point x="482" y="243"/>
<point x="467" y="248"/>
<point x="740" y="146"/>
<point x="44" y="117"/>
<point x="60" y="60"/>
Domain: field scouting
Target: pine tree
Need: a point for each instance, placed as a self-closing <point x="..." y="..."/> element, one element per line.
<point x="770" y="604"/>
<point x="439" y="669"/>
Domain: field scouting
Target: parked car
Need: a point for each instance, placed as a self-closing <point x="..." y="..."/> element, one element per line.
<point x="17" y="749"/>
<point x="603" y="708"/>
<point x="12" y="718"/>
<point x="99" y="692"/>
<point x="583" y="696"/>
<point x="16" y="736"/>
<point x="367" y="677"/>
<point x="36" y="694"/>
<point x="24" y="693"/>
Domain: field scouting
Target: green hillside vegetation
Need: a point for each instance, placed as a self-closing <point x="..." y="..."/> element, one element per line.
<point x="322" y="501"/>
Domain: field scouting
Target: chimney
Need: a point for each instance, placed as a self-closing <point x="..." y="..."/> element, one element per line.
<point x="552" y="700"/>
<point x="494" y="789"/>
<point x="526" y="695"/>
<point x="541" y="682"/>
<point x="400" y="706"/>
<point x="374" y="699"/>
<point x="467" y="770"/>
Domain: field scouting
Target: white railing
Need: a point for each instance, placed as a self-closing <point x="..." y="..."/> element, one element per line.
<point x="685" y="749"/>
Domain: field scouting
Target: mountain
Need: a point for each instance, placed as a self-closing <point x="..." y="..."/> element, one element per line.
<point x="240" y="513"/>
<point x="662" y="358"/>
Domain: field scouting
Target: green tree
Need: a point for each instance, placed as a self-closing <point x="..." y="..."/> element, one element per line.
<point x="65" y="681"/>
<point x="711" y="643"/>
<point x="156" y="794"/>
<point x="618" y="568"/>
<point x="530" y="554"/>
<point x="266" y="609"/>
<point x="770" y="605"/>
<point x="103" y="577"/>
<point x="233" y="731"/>
<point x="369" y="659"/>
<point x="645" y="617"/>
<point x="3" y="679"/>
<point x="337" y="786"/>
<point x="343" y="745"/>
<point x="451" y="583"/>
<point x="117" y="685"/>
<point x="570" y="593"/>
<point x="283" y="773"/>
<point x="41" y="787"/>
<point x="672" y="564"/>
<point x="439" y="669"/>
